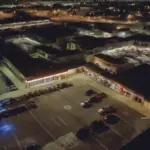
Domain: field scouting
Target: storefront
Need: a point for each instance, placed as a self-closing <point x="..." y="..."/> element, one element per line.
<point x="52" y="78"/>
<point x="114" y="86"/>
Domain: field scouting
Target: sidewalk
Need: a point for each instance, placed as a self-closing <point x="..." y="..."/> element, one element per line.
<point x="20" y="92"/>
<point x="130" y="103"/>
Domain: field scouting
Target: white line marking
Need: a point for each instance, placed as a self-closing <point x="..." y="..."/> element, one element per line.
<point x="42" y="125"/>
<point x="15" y="137"/>
<point x="125" y="121"/>
<point x="62" y="121"/>
<point x="5" y="148"/>
<point x="56" y="122"/>
<point x="119" y="134"/>
<point x="145" y="118"/>
<point x="99" y="142"/>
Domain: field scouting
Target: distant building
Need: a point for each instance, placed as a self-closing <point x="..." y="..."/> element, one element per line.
<point x="110" y="64"/>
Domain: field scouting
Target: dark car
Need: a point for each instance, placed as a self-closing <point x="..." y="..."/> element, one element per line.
<point x="90" y="92"/>
<point x="111" y="119"/>
<point x="19" y="109"/>
<point x="32" y="147"/>
<point x="7" y="102"/>
<point x="94" y="99"/>
<point x="4" y="113"/>
<point x="107" y="110"/>
<point x="101" y="95"/>
<point x="83" y="133"/>
<point x="31" y="104"/>
<point x="98" y="126"/>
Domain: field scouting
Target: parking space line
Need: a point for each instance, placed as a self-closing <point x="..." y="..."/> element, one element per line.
<point x="15" y="137"/>
<point x="5" y="148"/>
<point x="125" y="121"/>
<point x="55" y="122"/>
<point x="99" y="142"/>
<point x="119" y="134"/>
<point x="62" y="121"/>
<point x="41" y="125"/>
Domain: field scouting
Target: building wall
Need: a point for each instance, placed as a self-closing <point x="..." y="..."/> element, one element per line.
<point x="50" y="79"/>
<point x="104" y="65"/>
<point x="117" y="87"/>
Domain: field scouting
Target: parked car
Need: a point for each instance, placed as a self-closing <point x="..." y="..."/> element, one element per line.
<point x="101" y="95"/>
<point x="19" y="109"/>
<point x="107" y="110"/>
<point x="83" y="133"/>
<point x="7" y="102"/>
<point x="31" y="147"/>
<point x="94" y="99"/>
<point x="98" y="126"/>
<point x="90" y="92"/>
<point x="31" y="104"/>
<point x="4" y="113"/>
<point x="85" y="104"/>
<point x="111" y="119"/>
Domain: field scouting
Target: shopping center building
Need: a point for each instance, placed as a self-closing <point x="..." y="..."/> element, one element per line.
<point x="110" y="65"/>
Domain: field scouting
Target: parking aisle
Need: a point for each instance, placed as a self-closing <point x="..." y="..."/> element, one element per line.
<point x="122" y="131"/>
<point x="7" y="139"/>
<point x="89" y="115"/>
<point x="51" y="115"/>
<point x="28" y="130"/>
<point x="67" y="113"/>
<point x="111" y="139"/>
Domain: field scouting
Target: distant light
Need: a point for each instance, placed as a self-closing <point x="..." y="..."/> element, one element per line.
<point x="5" y="128"/>
<point x="122" y="34"/>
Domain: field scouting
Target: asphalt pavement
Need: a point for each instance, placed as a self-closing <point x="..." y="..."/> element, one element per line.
<point x="59" y="113"/>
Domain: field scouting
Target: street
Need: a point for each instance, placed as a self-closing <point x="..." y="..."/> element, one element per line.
<point x="59" y="113"/>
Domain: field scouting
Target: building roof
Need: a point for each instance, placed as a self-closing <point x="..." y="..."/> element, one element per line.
<point x="110" y="59"/>
<point x="56" y="52"/>
<point x="51" y="32"/>
<point x="87" y="42"/>
<point x="96" y="69"/>
<point x="137" y="78"/>
<point x="33" y="68"/>
<point x="139" y="143"/>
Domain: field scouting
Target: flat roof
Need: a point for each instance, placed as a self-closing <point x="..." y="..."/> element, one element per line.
<point x="141" y="142"/>
<point x="136" y="79"/>
<point x="88" y="42"/>
<point x="51" y="32"/>
<point x="58" y="53"/>
<point x="33" y="68"/>
<point x="23" y="42"/>
<point x="110" y="59"/>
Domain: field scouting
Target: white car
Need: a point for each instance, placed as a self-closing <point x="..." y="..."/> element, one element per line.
<point x="85" y="104"/>
<point x="101" y="110"/>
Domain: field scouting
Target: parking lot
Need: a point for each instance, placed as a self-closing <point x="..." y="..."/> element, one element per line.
<point x="59" y="113"/>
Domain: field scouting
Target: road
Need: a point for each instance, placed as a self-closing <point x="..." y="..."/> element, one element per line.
<point x="23" y="24"/>
<point x="60" y="112"/>
<point x="7" y="72"/>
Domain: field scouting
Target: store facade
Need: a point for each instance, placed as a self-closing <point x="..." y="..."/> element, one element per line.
<point x="116" y="86"/>
<point x="51" y="78"/>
